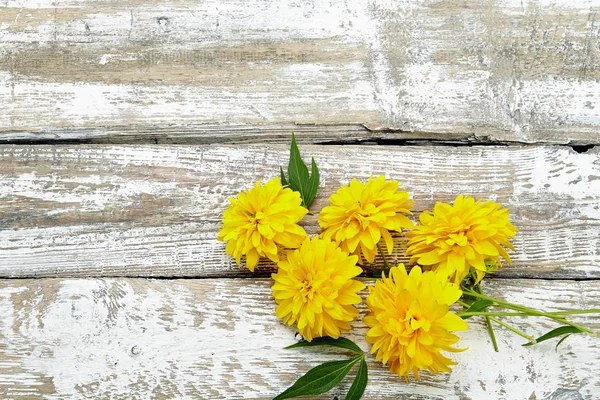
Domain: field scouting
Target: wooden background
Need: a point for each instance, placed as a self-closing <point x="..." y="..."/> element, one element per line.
<point x="126" y="125"/>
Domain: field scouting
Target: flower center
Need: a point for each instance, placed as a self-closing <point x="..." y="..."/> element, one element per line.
<point x="360" y="212"/>
<point x="307" y="290"/>
<point x="412" y="321"/>
<point x="458" y="233"/>
<point x="255" y="219"/>
<point x="459" y="238"/>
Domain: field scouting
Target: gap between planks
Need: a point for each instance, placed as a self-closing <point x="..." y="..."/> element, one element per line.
<point x="267" y="275"/>
<point x="221" y="134"/>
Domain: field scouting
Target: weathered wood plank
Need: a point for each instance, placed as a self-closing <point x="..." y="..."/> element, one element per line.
<point x="219" y="338"/>
<point x="508" y="71"/>
<point x="155" y="210"/>
<point x="221" y="134"/>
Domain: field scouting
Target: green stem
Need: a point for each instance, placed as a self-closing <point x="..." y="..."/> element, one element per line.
<point x="492" y="314"/>
<point x="591" y="311"/>
<point x="513" y="329"/>
<point x="385" y="262"/>
<point x="523" y="314"/>
<point x="531" y="311"/>
<point x="462" y="303"/>
<point x="496" y="320"/>
<point x="488" y="322"/>
<point x="491" y="332"/>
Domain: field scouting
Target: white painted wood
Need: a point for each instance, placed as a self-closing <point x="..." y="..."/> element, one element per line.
<point x="219" y="339"/>
<point x="156" y="210"/>
<point x="221" y="134"/>
<point x="508" y="70"/>
<point x="221" y="71"/>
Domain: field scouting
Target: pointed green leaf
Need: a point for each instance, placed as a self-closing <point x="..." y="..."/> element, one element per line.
<point x="320" y="379"/>
<point x="298" y="177"/>
<point x="479" y="305"/>
<point x="561" y="330"/>
<point x="360" y="382"/>
<point x="312" y="184"/>
<point x="283" y="180"/>
<point x="297" y="171"/>
<point x="561" y="340"/>
<point x="327" y="341"/>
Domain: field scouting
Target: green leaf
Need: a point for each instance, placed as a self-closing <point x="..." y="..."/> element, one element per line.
<point x="297" y="171"/>
<point x="378" y="274"/>
<point x="312" y="184"/>
<point x="299" y="179"/>
<point x="284" y="182"/>
<point x="479" y="305"/>
<point x="360" y="382"/>
<point x="320" y="379"/>
<point x="561" y="330"/>
<point x="327" y="341"/>
<point x="561" y="340"/>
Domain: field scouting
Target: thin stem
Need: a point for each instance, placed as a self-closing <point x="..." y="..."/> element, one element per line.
<point x="531" y="311"/>
<point x="488" y="322"/>
<point x="385" y="262"/>
<point x="492" y="314"/>
<point x="522" y="314"/>
<point x="462" y="303"/>
<point x="513" y="329"/>
<point x="496" y="320"/>
<point x="512" y="306"/>
<point x="591" y="311"/>
<point x="491" y="332"/>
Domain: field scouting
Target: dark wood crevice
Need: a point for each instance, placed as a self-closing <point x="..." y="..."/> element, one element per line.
<point x="219" y="134"/>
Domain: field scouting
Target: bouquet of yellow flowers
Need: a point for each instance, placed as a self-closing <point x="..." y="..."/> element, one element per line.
<point x="412" y="314"/>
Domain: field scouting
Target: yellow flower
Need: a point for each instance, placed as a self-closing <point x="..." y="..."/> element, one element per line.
<point x="315" y="290"/>
<point x="410" y="323"/>
<point x="361" y="214"/>
<point x="470" y="233"/>
<point x="261" y="222"/>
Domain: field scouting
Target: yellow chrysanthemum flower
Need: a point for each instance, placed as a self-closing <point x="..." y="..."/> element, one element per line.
<point x="454" y="238"/>
<point x="361" y="214"/>
<point x="315" y="290"/>
<point x="261" y="222"/>
<point x="410" y="321"/>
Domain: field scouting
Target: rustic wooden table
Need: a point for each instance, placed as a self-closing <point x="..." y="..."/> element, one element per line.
<point x="125" y="126"/>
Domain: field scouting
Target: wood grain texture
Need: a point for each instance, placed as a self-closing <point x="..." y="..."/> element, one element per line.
<point x="219" y="339"/>
<point x="507" y="70"/>
<point x="219" y="134"/>
<point x="155" y="210"/>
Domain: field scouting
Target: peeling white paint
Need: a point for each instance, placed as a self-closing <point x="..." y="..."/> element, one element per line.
<point x="155" y="210"/>
<point x="508" y="71"/>
<point x="219" y="338"/>
<point x="575" y="176"/>
<point x="105" y="59"/>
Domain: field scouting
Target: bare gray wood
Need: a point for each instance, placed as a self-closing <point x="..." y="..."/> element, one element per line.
<point x="509" y="71"/>
<point x="217" y="134"/>
<point x="215" y="338"/>
<point x="155" y="210"/>
<point x="221" y="134"/>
